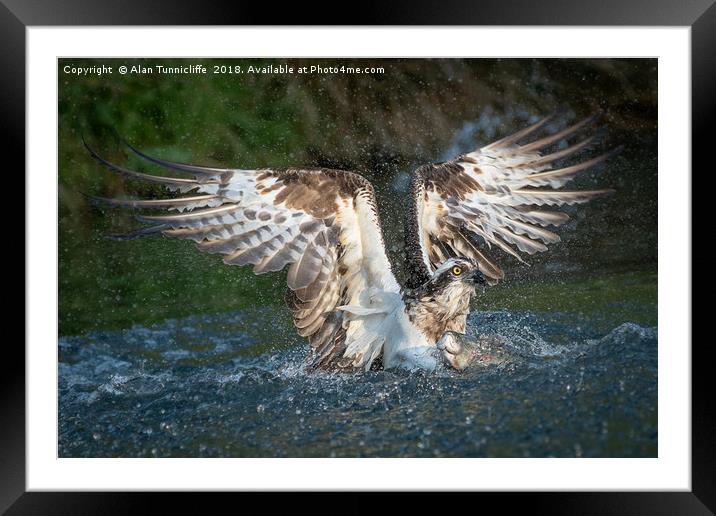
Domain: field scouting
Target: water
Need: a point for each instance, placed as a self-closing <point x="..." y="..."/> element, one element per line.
<point x="234" y="385"/>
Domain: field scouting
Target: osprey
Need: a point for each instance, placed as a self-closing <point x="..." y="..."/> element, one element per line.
<point x="323" y="224"/>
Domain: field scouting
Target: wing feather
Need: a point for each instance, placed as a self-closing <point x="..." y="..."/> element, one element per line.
<point x="491" y="196"/>
<point x="321" y="224"/>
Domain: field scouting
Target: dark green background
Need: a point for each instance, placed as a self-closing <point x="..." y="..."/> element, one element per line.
<point x="381" y="125"/>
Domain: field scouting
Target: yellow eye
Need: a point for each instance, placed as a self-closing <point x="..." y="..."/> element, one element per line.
<point x="457" y="270"/>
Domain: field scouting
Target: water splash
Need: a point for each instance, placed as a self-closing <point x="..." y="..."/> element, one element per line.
<point x="198" y="387"/>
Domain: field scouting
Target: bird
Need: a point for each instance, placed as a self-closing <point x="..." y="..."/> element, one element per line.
<point x="323" y="225"/>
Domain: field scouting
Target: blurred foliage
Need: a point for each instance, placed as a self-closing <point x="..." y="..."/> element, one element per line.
<point x="381" y="125"/>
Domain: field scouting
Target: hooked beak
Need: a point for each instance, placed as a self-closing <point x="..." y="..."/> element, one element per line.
<point x="476" y="277"/>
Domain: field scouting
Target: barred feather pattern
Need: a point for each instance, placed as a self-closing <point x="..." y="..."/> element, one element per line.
<point x="320" y="223"/>
<point x="492" y="198"/>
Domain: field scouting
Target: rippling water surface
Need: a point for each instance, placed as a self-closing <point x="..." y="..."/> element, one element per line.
<point x="218" y="386"/>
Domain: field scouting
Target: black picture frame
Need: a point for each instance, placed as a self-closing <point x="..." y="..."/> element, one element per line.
<point x="17" y="15"/>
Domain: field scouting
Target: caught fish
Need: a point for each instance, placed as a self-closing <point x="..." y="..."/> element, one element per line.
<point x="460" y="350"/>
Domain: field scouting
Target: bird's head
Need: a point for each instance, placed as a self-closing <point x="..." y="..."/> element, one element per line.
<point x="458" y="272"/>
<point x="448" y="291"/>
<point x="454" y="278"/>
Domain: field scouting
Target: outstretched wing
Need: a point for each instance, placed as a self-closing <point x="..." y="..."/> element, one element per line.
<point x="321" y="223"/>
<point x="490" y="197"/>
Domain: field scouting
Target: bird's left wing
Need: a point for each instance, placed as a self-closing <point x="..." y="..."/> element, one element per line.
<point x="323" y="224"/>
<point x="492" y="197"/>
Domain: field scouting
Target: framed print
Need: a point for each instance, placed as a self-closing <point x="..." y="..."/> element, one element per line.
<point x="365" y="258"/>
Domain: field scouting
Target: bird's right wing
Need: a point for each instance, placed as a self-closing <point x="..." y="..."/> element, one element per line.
<point x="323" y="224"/>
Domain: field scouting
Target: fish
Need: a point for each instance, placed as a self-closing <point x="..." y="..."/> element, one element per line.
<point x="462" y="351"/>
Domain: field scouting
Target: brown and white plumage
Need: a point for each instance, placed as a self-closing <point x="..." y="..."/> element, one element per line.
<point x="491" y="198"/>
<point x="323" y="225"/>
